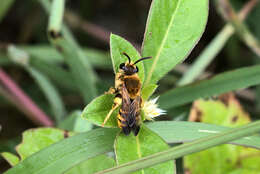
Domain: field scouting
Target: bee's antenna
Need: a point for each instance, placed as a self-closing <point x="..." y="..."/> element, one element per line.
<point x="141" y="59"/>
<point x="129" y="59"/>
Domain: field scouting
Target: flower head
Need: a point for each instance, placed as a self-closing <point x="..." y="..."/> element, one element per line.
<point x="151" y="109"/>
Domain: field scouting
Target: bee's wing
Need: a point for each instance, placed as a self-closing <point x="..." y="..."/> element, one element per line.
<point x="126" y="102"/>
<point x="134" y="111"/>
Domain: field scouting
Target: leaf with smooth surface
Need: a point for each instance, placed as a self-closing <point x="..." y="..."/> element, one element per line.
<point x="118" y="45"/>
<point x="63" y="155"/>
<point x="183" y="131"/>
<point x="186" y="149"/>
<point x="224" y="82"/>
<point x="128" y="148"/>
<point x="172" y="30"/>
<point x="93" y="165"/>
<point x="66" y="153"/>
<point x="96" y="111"/>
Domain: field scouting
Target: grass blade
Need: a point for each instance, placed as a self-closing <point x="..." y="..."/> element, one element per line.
<point x="189" y="148"/>
<point x="65" y="154"/>
<point x="50" y="92"/>
<point x="183" y="131"/>
<point x="225" y="82"/>
<point x="62" y="39"/>
<point x="73" y="150"/>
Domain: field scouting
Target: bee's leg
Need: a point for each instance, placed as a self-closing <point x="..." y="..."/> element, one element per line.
<point x="117" y="103"/>
<point x="136" y="129"/>
<point x="111" y="90"/>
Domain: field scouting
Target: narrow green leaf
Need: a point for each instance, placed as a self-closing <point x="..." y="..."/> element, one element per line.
<point x="56" y="16"/>
<point x="55" y="72"/>
<point x="4" y="7"/>
<point x="96" y="111"/>
<point x="64" y="42"/>
<point x="10" y="158"/>
<point x="224" y="82"/>
<point x="82" y="72"/>
<point x="97" y="58"/>
<point x="63" y="155"/>
<point x="183" y="131"/>
<point x="172" y="30"/>
<point x="36" y="139"/>
<point x="22" y="58"/>
<point x="147" y="91"/>
<point x="93" y="165"/>
<point x="188" y="148"/>
<point x="118" y="45"/>
<point x="50" y="92"/>
<point x="66" y="153"/>
<point x="128" y="148"/>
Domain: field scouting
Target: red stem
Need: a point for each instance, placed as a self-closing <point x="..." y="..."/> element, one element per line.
<point x="32" y="111"/>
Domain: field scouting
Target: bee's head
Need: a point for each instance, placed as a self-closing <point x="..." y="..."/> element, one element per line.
<point x="130" y="68"/>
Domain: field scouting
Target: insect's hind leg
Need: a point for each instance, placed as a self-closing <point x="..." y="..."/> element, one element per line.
<point x="117" y="103"/>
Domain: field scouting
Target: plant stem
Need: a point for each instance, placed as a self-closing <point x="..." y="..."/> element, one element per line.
<point x="214" y="48"/>
<point x="29" y="107"/>
<point x="229" y="14"/>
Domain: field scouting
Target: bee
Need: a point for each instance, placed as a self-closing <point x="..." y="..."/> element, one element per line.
<point x="128" y="96"/>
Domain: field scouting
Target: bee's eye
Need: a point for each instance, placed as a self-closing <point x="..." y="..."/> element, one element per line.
<point x="136" y="70"/>
<point x="121" y="65"/>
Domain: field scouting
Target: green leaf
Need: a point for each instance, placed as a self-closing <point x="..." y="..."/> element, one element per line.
<point x="10" y="158"/>
<point x="21" y="57"/>
<point x="66" y="153"/>
<point x="186" y="149"/>
<point x="172" y="30"/>
<point x="56" y="16"/>
<point x="224" y="82"/>
<point x="56" y="73"/>
<point x="93" y="165"/>
<point x="74" y="122"/>
<point x="118" y="45"/>
<point x="36" y="139"/>
<point x="62" y="39"/>
<point x="224" y="158"/>
<point x="46" y="53"/>
<point x="4" y="7"/>
<point x="63" y="155"/>
<point x="96" y="111"/>
<point x="50" y="92"/>
<point x="148" y="91"/>
<point x="82" y="72"/>
<point x="183" y="131"/>
<point x="128" y="148"/>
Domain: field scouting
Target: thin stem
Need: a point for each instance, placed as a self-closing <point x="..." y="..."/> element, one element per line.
<point x="214" y="47"/>
<point x="229" y="14"/>
<point x="33" y="112"/>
